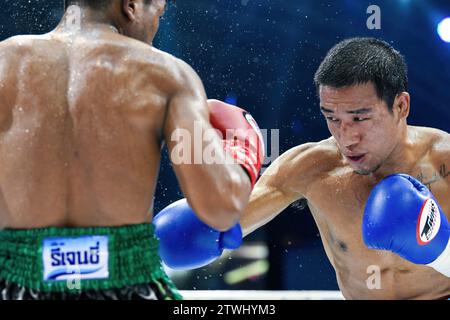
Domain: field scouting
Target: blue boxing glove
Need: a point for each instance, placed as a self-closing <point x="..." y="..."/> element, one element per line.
<point x="188" y="243"/>
<point x="402" y="215"/>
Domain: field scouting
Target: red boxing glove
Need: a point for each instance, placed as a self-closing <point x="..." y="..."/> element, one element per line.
<point x="242" y="136"/>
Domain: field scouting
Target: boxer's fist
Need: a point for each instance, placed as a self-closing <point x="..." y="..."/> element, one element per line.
<point x="401" y="215"/>
<point x="241" y="134"/>
<point x="188" y="243"/>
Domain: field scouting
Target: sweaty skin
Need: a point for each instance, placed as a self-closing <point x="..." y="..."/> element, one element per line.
<point x="83" y="117"/>
<point x="336" y="189"/>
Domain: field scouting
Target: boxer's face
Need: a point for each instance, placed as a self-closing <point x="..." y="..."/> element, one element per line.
<point x="145" y="19"/>
<point x="365" y="130"/>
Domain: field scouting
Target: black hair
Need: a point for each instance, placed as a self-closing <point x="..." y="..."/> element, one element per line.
<point x="363" y="60"/>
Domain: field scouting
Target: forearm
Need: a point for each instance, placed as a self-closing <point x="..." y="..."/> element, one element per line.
<point x="219" y="193"/>
<point x="265" y="204"/>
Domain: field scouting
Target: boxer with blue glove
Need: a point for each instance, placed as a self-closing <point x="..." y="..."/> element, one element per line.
<point x="402" y="215"/>
<point x="188" y="242"/>
<point x="362" y="85"/>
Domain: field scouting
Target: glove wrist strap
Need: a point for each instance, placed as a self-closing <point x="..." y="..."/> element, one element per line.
<point x="442" y="263"/>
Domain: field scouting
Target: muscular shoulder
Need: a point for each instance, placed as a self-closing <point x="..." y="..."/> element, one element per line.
<point x="440" y="152"/>
<point x="299" y="165"/>
<point x="442" y="142"/>
<point x="16" y="45"/>
<point x="162" y="61"/>
<point x="26" y="48"/>
<point x="14" y="52"/>
<point x="435" y="142"/>
<point x="313" y="153"/>
<point x="184" y="76"/>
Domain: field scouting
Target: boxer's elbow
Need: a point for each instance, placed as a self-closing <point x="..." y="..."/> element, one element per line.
<point x="221" y="219"/>
<point x="224" y="207"/>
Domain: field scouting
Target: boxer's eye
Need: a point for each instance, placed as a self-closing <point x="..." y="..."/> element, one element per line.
<point x="332" y="119"/>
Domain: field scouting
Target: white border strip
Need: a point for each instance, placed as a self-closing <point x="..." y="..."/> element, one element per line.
<point x="260" y="295"/>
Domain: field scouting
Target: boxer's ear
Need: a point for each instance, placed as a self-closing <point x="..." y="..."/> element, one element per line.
<point x="401" y="105"/>
<point x="129" y="9"/>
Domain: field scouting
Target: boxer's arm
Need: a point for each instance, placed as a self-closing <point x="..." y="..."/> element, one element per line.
<point x="281" y="184"/>
<point x="217" y="192"/>
<point x="266" y="202"/>
<point x="440" y="158"/>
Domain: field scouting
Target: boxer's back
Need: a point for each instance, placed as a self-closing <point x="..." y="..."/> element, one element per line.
<point x="80" y="130"/>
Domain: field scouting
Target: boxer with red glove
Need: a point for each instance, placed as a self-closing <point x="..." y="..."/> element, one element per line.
<point x="242" y="137"/>
<point x="186" y="242"/>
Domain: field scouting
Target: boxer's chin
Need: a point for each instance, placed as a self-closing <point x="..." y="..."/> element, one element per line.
<point x="367" y="170"/>
<point x="362" y="172"/>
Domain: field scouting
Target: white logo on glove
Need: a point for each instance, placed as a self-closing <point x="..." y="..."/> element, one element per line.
<point x="428" y="222"/>
<point x="255" y="127"/>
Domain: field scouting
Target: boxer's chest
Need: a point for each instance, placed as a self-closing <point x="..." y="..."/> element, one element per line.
<point x="338" y="212"/>
<point x="339" y="197"/>
<point x="337" y="201"/>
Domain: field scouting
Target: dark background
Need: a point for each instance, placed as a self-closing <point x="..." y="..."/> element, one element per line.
<point x="262" y="55"/>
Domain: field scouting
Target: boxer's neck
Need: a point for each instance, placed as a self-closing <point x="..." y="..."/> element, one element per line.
<point x="402" y="158"/>
<point x="79" y="18"/>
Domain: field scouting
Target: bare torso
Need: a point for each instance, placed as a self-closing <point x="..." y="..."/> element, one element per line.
<point x="336" y="197"/>
<point x="81" y="124"/>
<point x="337" y="200"/>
